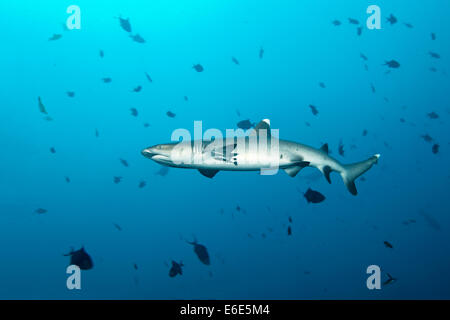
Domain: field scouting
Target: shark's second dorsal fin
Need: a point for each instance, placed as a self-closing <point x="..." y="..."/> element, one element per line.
<point x="324" y="148"/>
<point x="262" y="125"/>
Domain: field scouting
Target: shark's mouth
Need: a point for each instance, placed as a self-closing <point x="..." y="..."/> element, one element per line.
<point x="160" y="157"/>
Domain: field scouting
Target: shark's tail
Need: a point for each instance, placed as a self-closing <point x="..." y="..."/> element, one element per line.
<point x="354" y="170"/>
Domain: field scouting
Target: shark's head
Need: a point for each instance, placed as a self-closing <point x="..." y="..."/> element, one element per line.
<point x="160" y="153"/>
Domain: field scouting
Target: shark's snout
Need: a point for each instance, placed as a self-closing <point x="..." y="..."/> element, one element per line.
<point x="148" y="152"/>
<point x="159" y="153"/>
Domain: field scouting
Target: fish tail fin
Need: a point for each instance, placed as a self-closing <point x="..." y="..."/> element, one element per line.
<point x="352" y="171"/>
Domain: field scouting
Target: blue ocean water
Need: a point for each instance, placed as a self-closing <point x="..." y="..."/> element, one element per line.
<point x="403" y="200"/>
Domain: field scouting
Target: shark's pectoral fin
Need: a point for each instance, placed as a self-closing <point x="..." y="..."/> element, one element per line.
<point x="293" y="170"/>
<point x="326" y="172"/>
<point x="208" y="172"/>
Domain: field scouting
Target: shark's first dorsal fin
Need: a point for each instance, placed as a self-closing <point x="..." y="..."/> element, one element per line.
<point x="324" y="148"/>
<point x="262" y="125"/>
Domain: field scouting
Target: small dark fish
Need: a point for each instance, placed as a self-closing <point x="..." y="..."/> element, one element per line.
<point x="392" y="19"/>
<point x="55" y="37"/>
<point x="402" y="120"/>
<point x="176" y="269"/>
<point x="67" y="179"/>
<point x="70" y="94"/>
<point x="52" y="150"/>
<point x="353" y="21"/>
<point x="435" y="55"/>
<point x="148" y="77"/>
<point x="363" y="56"/>
<point x="388" y="245"/>
<point x="372" y="87"/>
<point x="433" y="69"/>
<point x="137" y="38"/>
<point x="119" y="228"/>
<point x="135" y="266"/>
<point x="146" y="125"/>
<point x="245" y="124"/>
<point x="41" y="106"/>
<point x="359" y="31"/>
<point x="198" y="67"/>
<point x="313" y="196"/>
<point x="364" y="133"/>
<point x="81" y="259"/>
<point x="389" y="280"/>
<point x="97" y="134"/>
<point x="322" y="85"/>
<point x="432" y="222"/>
<point x="134" y="112"/>
<point x="163" y="171"/>
<point x="201" y="252"/>
<point x="125" y="24"/>
<point x="137" y="89"/>
<point x="185" y="98"/>
<point x="142" y="184"/>
<point x="40" y="211"/>
<point x="290" y="219"/>
<point x="289" y="231"/>
<point x="433" y="115"/>
<point x="106" y="80"/>
<point x="238" y="208"/>
<point x="341" y="148"/>
<point x="392" y="64"/>
<point x="261" y="52"/>
<point x="433" y="36"/>
<point x="170" y="114"/>
<point x="314" y="110"/>
<point x="235" y="60"/>
<point x="366" y="67"/>
<point x="101" y="53"/>
<point x="117" y="179"/>
<point x="48" y="118"/>
<point x="336" y="22"/>
<point x="427" y="137"/>
<point x="124" y="162"/>
<point x="408" y="25"/>
<point x="435" y="148"/>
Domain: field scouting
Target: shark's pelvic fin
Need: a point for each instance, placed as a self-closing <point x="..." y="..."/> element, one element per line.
<point x="208" y="172"/>
<point x="293" y="170"/>
<point x="326" y="172"/>
<point x="353" y="171"/>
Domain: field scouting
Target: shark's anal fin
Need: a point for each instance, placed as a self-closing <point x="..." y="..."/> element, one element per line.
<point x="293" y="170"/>
<point x="208" y="172"/>
<point x="326" y="173"/>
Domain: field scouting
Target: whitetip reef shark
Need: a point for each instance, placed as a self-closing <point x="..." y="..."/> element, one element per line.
<point x="246" y="154"/>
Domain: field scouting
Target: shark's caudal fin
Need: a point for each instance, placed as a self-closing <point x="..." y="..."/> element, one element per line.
<point x="354" y="170"/>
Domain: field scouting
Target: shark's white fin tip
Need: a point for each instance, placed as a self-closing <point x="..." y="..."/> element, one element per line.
<point x="378" y="156"/>
<point x="267" y="121"/>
